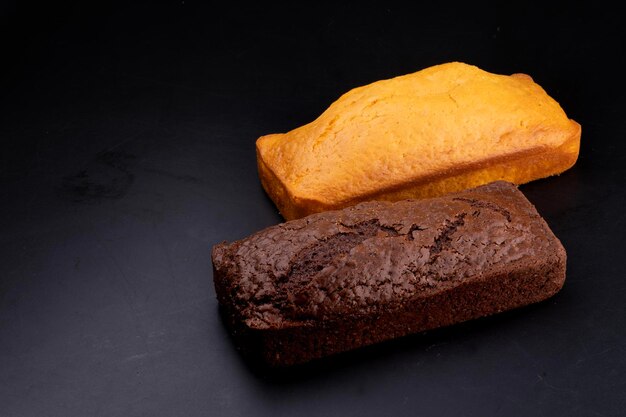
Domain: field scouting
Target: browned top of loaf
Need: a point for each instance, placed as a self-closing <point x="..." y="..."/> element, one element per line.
<point x="416" y="126"/>
<point x="379" y="254"/>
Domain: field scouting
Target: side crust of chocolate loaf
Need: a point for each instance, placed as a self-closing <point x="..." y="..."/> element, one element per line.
<point x="336" y="281"/>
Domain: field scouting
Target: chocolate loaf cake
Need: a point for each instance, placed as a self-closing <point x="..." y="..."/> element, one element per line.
<point x="338" y="280"/>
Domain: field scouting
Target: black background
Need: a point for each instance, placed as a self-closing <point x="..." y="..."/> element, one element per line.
<point x="128" y="134"/>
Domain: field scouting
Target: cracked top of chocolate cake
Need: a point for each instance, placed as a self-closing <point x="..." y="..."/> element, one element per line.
<point x="376" y="255"/>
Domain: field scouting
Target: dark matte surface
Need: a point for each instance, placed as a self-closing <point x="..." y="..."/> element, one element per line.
<point x="128" y="151"/>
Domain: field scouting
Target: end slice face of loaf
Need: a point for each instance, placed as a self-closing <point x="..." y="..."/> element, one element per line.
<point x="442" y="129"/>
<point x="338" y="280"/>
